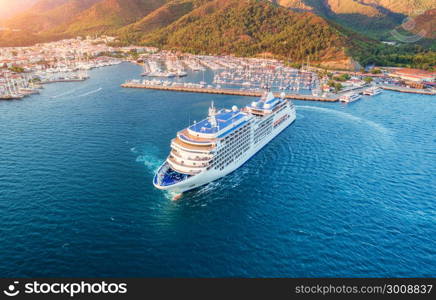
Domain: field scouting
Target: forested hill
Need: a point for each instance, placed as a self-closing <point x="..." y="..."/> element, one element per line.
<point x="334" y="33"/>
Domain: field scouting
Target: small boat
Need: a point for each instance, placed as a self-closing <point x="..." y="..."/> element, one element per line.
<point x="181" y="73"/>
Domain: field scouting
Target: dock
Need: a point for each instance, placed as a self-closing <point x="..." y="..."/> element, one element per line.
<point x="224" y="92"/>
<point x="408" y="90"/>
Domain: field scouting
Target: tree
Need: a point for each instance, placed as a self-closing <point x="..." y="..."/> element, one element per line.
<point x="367" y="80"/>
<point x="16" y="69"/>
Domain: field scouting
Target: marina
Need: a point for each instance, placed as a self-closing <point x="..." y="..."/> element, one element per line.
<point x="24" y="70"/>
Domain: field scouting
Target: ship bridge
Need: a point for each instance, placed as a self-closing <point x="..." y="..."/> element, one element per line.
<point x="266" y="105"/>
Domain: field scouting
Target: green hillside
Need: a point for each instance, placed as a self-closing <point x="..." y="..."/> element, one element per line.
<point x="374" y="18"/>
<point x="106" y="16"/>
<point x="160" y="18"/>
<point x="249" y="28"/>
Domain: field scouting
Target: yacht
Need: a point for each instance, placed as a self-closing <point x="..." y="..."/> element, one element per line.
<point x="349" y="97"/>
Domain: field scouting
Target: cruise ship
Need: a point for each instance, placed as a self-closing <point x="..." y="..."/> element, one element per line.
<point x="221" y="143"/>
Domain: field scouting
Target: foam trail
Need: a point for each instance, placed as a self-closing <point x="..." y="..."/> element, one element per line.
<point x="173" y="196"/>
<point x="151" y="162"/>
<point x="91" y="92"/>
<point x="374" y="125"/>
<point x="208" y="187"/>
<point x="66" y="93"/>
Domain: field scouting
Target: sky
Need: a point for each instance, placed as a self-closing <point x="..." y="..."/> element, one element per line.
<point x="10" y="7"/>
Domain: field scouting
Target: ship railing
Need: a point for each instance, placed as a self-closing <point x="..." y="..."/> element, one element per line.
<point x="183" y="164"/>
<point x="196" y="158"/>
<point x="192" y="139"/>
<point x="189" y="147"/>
<point x="175" y="167"/>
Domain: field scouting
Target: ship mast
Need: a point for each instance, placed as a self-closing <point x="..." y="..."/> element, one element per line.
<point x="212" y="114"/>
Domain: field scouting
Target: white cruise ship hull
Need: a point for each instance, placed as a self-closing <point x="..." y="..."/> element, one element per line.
<point x="207" y="176"/>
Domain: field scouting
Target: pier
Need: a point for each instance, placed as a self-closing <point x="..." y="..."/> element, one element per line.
<point x="224" y="92"/>
<point x="408" y="90"/>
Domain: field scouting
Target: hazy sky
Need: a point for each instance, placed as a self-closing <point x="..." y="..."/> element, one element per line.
<point x="11" y="7"/>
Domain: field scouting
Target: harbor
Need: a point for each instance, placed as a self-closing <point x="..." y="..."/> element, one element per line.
<point x="112" y="142"/>
<point x="228" y="75"/>
<point x="24" y="70"/>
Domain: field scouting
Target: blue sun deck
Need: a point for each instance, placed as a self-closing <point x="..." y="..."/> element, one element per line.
<point x="224" y="119"/>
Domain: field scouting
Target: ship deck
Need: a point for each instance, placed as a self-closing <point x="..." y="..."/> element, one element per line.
<point x="186" y="136"/>
<point x="182" y="144"/>
<point x="223" y="119"/>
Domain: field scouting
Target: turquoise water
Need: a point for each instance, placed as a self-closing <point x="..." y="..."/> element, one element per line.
<point x="347" y="190"/>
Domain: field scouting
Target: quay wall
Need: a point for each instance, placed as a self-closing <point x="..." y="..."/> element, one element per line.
<point x="408" y="90"/>
<point x="224" y="92"/>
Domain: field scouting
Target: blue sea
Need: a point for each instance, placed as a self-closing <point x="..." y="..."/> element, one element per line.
<point x="347" y="190"/>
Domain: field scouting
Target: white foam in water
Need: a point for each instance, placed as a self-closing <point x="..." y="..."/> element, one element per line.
<point x="90" y="93"/>
<point x="173" y="196"/>
<point x="146" y="155"/>
<point x="67" y="93"/>
<point x="374" y="125"/>
<point x="151" y="162"/>
<point x="208" y="187"/>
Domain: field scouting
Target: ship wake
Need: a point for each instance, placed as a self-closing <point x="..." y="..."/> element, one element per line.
<point x="380" y="128"/>
<point x="90" y="93"/>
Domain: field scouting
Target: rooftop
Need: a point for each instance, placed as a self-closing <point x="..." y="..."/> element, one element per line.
<point x="414" y="72"/>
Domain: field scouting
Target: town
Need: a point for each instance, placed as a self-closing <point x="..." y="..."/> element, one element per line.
<point x="24" y="71"/>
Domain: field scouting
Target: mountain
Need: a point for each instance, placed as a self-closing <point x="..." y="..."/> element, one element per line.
<point x="47" y="14"/>
<point x="249" y="28"/>
<point x="106" y="16"/>
<point x="405" y="7"/>
<point x="374" y="18"/>
<point x="425" y="24"/>
<point x="161" y="17"/>
<point x="42" y="6"/>
<point x="329" y="32"/>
